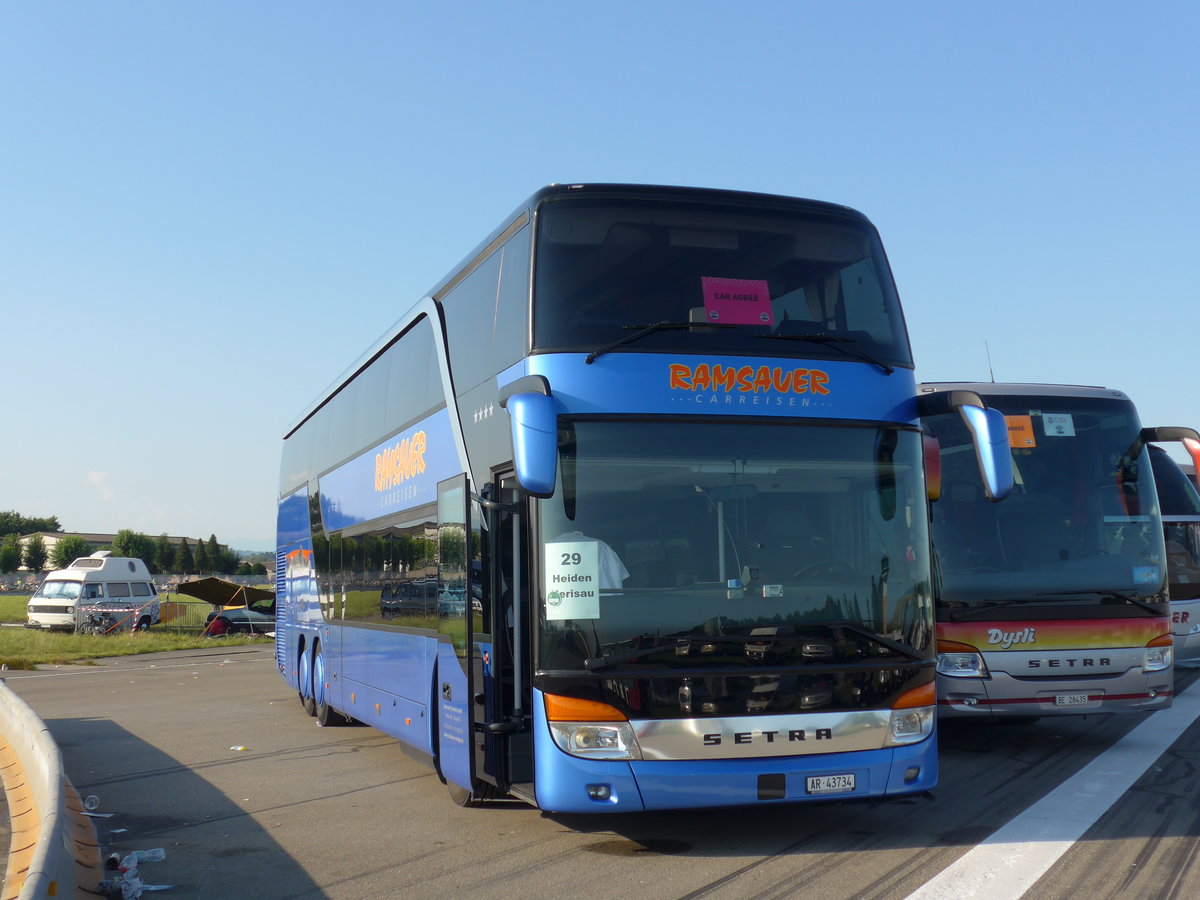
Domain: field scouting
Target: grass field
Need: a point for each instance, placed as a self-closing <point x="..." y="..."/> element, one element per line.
<point x="24" y="648"/>
<point x="12" y="607"/>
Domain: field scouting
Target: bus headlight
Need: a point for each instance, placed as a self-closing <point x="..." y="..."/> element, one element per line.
<point x="596" y="740"/>
<point x="590" y="729"/>
<point x="960" y="660"/>
<point x="912" y="715"/>
<point x="908" y="726"/>
<point x="962" y="665"/>
<point x="1157" y="659"/>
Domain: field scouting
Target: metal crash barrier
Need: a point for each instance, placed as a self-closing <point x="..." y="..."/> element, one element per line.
<point x="53" y="851"/>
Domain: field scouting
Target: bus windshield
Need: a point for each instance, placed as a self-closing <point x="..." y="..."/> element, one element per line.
<point x="738" y="280"/>
<point x="59" y="590"/>
<point x="719" y="544"/>
<point x="1080" y="526"/>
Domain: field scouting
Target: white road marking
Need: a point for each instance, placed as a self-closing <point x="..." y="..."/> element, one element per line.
<point x="1012" y="859"/>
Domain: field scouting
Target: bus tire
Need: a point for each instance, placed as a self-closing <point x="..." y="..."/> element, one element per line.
<point x="306" y="684"/>
<point x="325" y="714"/>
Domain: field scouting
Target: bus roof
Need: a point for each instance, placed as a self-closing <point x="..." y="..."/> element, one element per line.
<point x="637" y="192"/>
<point x="1018" y="389"/>
<point x="525" y="212"/>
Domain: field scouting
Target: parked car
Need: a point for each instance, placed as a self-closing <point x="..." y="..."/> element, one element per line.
<point x="257" y="618"/>
<point x="238" y="609"/>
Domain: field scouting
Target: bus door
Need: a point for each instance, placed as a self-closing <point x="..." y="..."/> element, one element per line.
<point x="453" y="688"/>
<point x="500" y="640"/>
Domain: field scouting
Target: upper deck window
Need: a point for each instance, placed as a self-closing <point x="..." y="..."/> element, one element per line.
<point x="605" y="266"/>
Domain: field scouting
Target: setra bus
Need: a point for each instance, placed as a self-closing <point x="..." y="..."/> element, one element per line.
<point x="629" y="513"/>
<point x="1179" y="504"/>
<point x="1054" y="601"/>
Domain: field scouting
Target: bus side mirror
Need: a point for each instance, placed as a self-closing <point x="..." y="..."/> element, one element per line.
<point x="989" y="434"/>
<point x="534" y="418"/>
<point x="992" y="449"/>
<point x="1189" y="437"/>
<point x="1193" y="448"/>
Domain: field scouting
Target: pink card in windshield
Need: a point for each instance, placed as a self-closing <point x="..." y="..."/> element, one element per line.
<point x="737" y="301"/>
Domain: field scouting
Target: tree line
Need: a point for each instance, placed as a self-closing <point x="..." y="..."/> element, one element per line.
<point x="374" y="553"/>
<point x="12" y="522"/>
<point x="160" y="555"/>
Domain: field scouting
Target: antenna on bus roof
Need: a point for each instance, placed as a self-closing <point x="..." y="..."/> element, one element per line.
<point x="988" y="350"/>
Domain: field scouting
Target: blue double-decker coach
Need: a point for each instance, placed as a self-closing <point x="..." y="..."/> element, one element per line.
<point x="630" y="512"/>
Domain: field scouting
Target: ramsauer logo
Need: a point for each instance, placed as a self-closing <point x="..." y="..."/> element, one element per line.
<point x="402" y="461"/>
<point x="747" y="379"/>
<point x="1007" y="638"/>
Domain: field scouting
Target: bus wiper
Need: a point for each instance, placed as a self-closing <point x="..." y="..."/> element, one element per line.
<point x="957" y="615"/>
<point x="644" y="330"/>
<point x="1110" y="595"/>
<point x="669" y="642"/>
<point x="895" y="646"/>
<point x="838" y="343"/>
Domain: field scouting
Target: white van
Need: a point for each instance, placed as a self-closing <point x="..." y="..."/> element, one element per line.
<point x="108" y="585"/>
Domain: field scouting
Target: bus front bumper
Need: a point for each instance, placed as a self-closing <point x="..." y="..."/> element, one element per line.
<point x="1003" y="695"/>
<point x="566" y="783"/>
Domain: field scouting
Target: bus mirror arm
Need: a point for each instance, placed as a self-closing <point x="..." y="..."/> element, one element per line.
<point x="513" y="724"/>
<point x="493" y="504"/>
<point x="1163" y="434"/>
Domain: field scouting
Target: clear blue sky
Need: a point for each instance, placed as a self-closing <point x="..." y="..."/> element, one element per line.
<point x="209" y="209"/>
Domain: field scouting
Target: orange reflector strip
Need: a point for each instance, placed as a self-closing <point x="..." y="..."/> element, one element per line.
<point x="571" y="709"/>
<point x="1163" y="640"/>
<point x="354" y="698"/>
<point x="925" y="695"/>
<point x="955" y="647"/>
<point x="377" y="709"/>
<point x="407" y="720"/>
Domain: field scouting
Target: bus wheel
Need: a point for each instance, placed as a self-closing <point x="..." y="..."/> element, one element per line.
<point x="306" y="685"/>
<point x="143" y="623"/>
<point x="326" y="715"/>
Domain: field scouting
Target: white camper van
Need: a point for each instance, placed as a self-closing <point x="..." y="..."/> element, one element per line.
<point x="109" y="586"/>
